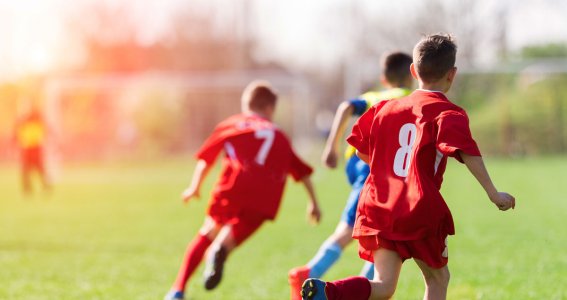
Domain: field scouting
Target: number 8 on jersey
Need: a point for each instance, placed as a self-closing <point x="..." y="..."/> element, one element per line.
<point x="406" y="138"/>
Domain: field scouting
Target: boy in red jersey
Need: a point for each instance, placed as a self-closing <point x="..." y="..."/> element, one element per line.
<point x="401" y="213"/>
<point x="396" y="78"/>
<point x="258" y="159"/>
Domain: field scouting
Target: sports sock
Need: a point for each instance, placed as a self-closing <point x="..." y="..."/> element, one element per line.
<point x="352" y="288"/>
<point x="193" y="256"/>
<point x="327" y="255"/>
<point x="367" y="270"/>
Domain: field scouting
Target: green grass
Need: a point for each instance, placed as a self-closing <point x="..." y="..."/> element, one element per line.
<point x="119" y="232"/>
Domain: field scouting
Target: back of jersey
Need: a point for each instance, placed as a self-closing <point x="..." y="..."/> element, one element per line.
<point x="367" y="100"/>
<point x="258" y="150"/>
<point x="401" y="140"/>
<point x="258" y="159"/>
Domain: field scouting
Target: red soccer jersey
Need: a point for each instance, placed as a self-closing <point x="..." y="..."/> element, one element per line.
<point x="258" y="158"/>
<point x="408" y="141"/>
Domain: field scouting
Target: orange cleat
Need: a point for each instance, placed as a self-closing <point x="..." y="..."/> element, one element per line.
<point x="296" y="277"/>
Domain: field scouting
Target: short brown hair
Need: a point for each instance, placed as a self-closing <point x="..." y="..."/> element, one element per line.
<point x="258" y="95"/>
<point x="433" y="56"/>
<point x="396" y="67"/>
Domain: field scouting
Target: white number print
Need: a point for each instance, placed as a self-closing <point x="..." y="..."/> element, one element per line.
<point x="403" y="155"/>
<point x="266" y="134"/>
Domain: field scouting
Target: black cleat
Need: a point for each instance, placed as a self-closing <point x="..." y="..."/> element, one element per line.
<point x="215" y="266"/>
<point x="313" y="289"/>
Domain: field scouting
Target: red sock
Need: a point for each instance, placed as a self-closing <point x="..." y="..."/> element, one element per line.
<point x="193" y="256"/>
<point x="352" y="288"/>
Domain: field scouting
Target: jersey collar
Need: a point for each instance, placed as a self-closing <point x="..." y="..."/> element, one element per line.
<point x="443" y="96"/>
<point x="429" y="91"/>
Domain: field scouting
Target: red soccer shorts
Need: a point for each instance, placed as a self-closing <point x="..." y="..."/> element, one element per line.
<point x="243" y="223"/>
<point x="432" y="250"/>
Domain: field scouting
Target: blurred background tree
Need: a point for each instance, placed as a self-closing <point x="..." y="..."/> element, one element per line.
<point x="154" y="77"/>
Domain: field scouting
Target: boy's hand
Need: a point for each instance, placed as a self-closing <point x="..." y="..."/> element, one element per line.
<point x="330" y="158"/>
<point x="189" y="193"/>
<point x="314" y="214"/>
<point x="503" y="201"/>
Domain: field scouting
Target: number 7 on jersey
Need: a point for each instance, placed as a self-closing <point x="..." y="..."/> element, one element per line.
<point x="267" y="135"/>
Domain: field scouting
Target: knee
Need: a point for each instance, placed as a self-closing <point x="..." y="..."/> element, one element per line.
<point x="342" y="236"/>
<point x="343" y="240"/>
<point x="209" y="229"/>
<point x="382" y="290"/>
<point x="440" y="278"/>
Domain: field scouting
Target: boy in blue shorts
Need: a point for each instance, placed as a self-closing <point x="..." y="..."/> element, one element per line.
<point x="396" y="77"/>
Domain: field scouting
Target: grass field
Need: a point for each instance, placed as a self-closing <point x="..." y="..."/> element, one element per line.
<point x="119" y="231"/>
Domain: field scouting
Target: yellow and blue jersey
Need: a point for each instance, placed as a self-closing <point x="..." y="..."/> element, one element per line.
<point x="356" y="169"/>
<point x="362" y="103"/>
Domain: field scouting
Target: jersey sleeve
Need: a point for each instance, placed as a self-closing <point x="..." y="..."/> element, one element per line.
<point x="359" y="137"/>
<point x="360" y="106"/>
<point x="454" y="134"/>
<point x="212" y="146"/>
<point x="298" y="168"/>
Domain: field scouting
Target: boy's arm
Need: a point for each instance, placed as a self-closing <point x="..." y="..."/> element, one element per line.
<point x="201" y="170"/>
<point x="344" y="111"/>
<point x="313" y="212"/>
<point x="475" y="164"/>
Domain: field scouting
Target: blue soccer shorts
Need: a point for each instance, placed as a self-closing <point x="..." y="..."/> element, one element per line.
<point x="356" y="171"/>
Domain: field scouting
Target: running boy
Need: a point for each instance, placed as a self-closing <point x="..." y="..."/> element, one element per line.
<point x="258" y="159"/>
<point x="396" y="77"/>
<point x="401" y="213"/>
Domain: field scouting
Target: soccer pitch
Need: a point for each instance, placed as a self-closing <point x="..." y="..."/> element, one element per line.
<point x="118" y="231"/>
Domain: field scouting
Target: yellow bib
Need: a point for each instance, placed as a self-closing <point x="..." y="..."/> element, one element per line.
<point x="31" y="134"/>
<point x="371" y="99"/>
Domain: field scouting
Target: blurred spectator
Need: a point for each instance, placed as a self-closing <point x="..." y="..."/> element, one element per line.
<point x="30" y="135"/>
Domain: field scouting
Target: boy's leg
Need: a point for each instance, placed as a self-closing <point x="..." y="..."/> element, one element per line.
<point x="229" y="237"/>
<point x="431" y="255"/>
<point x="367" y="270"/>
<point x="387" y="264"/>
<point x="351" y="288"/>
<point x="195" y="252"/>
<point x="436" y="281"/>
<point x="216" y="257"/>
<point x="329" y="252"/>
<point x="26" y="171"/>
<point x="43" y="175"/>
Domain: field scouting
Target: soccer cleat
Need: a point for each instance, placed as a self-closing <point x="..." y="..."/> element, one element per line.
<point x="174" y="295"/>
<point x="296" y="277"/>
<point x="214" y="269"/>
<point x="313" y="289"/>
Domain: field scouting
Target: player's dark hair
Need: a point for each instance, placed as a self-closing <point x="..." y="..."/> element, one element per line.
<point x="259" y="94"/>
<point x="396" y="67"/>
<point x="433" y="56"/>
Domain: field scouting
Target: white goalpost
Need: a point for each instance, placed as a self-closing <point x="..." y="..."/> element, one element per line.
<point x="296" y="107"/>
